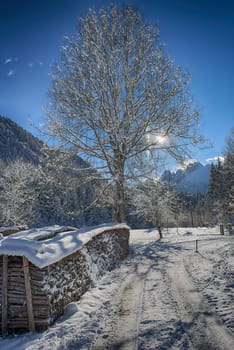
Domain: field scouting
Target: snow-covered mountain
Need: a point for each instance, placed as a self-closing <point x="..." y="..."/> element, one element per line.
<point x="194" y="178"/>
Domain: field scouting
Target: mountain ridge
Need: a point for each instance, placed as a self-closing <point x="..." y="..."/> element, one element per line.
<point x="17" y="143"/>
<point x="194" y="178"/>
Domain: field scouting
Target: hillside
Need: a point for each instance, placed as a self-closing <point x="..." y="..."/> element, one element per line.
<point x="40" y="185"/>
<point x="15" y="142"/>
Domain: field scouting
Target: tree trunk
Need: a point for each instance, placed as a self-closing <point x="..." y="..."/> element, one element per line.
<point x="119" y="214"/>
<point x="192" y="221"/>
<point x="160" y="231"/>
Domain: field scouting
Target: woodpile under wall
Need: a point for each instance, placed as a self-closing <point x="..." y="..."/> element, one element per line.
<point x="32" y="298"/>
<point x="6" y="231"/>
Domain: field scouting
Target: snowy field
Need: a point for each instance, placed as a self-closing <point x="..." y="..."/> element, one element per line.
<point x="165" y="295"/>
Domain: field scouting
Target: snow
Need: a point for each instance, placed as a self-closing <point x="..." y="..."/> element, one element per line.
<point x="47" y="245"/>
<point x="163" y="296"/>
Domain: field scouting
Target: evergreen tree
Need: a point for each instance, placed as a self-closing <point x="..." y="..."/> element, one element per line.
<point x="228" y="175"/>
<point x="221" y="186"/>
<point x="216" y="191"/>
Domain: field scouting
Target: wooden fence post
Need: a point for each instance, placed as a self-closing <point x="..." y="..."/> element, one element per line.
<point x="221" y="229"/>
<point x="196" y="246"/>
<point x="229" y="227"/>
<point x="4" y="294"/>
<point x="28" y="291"/>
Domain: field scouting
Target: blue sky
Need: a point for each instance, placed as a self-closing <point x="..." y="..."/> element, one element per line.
<point x="199" y="35"/>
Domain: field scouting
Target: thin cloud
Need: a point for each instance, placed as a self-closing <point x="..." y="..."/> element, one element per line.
<point x="33" y="64"/>
<point x="30" y="64"/>
<point x="11" y="73"/>
<point x="8" y="60"/>
<point x="215" y="159"/>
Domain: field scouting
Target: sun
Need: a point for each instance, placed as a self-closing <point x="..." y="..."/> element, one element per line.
<point x="161" y="139"/>
<point x="157" y="139"/>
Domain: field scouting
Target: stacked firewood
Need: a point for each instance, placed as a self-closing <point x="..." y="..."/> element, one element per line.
<point x="33" y="297"/>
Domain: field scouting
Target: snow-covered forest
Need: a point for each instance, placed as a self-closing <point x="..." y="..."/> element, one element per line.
<point x="53" y="187"/>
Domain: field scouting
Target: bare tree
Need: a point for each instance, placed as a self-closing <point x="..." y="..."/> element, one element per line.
<point x="117" y="97"/>
<point x="156" y="203"/>
<point x="17" y="193"/>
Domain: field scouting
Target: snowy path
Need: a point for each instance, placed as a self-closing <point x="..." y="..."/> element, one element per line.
<point x="121" y="330"/>
<point x="201" y="324"/>
<point x="162" y="306"/>
<point x="164" y="296"/>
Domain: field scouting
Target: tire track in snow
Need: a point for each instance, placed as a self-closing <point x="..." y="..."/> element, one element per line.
<point x="212" y="270"/>
<point x="200" y="323"/>
<point x="158" y="307"/>
<point x="122" y="332"/>
<point x="143" y="312"/>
